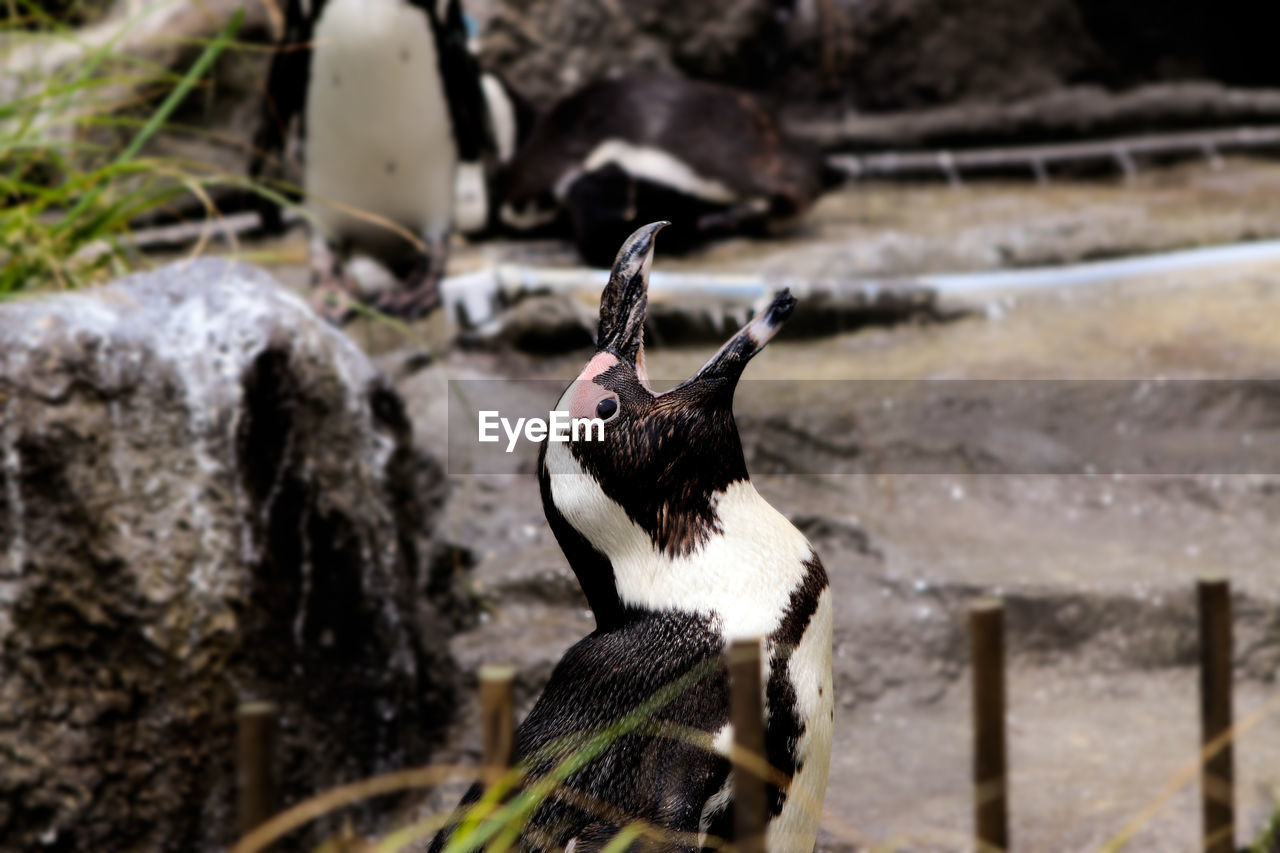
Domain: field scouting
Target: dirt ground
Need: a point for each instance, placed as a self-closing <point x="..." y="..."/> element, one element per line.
<point x="1097" y="569"/>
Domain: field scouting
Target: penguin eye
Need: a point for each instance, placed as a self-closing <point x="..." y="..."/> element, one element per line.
<point x="606" y="408"/>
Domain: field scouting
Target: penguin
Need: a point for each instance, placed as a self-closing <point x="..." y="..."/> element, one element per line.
<point x="388" y="100"/>
<point x="677" y="554"/>
<point x="622" y="152"/>
<point x="511" y="120"/>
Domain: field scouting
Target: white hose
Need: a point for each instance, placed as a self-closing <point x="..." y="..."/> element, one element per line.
<point x="1097" y="272"/>
<point x="475" y="298"/>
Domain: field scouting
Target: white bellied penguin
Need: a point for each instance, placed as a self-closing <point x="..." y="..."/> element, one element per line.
<point x="388" y="101"/>
<point x="622" y="152"/>
<point x="678" y="555"/>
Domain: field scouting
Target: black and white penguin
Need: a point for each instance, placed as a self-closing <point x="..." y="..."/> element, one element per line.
<point x="678" y="554"/>
<point x="511" y="121"/>
<point x="389" y="100"/>
<point x="622" y="152"/>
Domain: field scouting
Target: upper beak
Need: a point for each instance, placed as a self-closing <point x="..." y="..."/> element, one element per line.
<point x="626" y="296"/>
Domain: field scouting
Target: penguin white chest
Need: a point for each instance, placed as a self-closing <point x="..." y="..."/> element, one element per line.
<point x="379" y="140"/>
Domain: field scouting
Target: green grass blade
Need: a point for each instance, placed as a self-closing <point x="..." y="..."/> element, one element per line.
<point x="157" y="120"/>
<point x="503" y="827"/>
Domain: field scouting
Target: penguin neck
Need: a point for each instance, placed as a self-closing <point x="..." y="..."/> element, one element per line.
<point x="592" y="569"/>
<point x="740" y="579"/>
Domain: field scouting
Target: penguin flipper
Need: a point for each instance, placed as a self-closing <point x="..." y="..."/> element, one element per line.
<point x="664" y="780"/>
<point x="460" y="74"/>
<point x="282" y="102"/>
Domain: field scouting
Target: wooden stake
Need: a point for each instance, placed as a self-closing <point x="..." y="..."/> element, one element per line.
<point x="1217" y="778"/>
<point x="255" y="764"/>
<point x="990" y="771"/>
<point x="746" y="713"/>
<point x="498" y="719"/>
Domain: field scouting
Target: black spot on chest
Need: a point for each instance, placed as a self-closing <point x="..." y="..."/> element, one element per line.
<point x="802" y="604"/>
<point x="785" y="726"/>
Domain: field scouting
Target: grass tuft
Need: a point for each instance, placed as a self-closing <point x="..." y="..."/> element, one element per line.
<point x="73" y="172"/>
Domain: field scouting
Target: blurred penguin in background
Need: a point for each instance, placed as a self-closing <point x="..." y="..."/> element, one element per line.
<point x="385" y="99"/>
<point x="648" y="146"/>
<point x="511" y="119"/>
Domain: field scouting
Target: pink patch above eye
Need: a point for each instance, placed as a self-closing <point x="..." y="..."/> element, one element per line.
<point x="585" y="394"/>
<point x="602" y="362"/>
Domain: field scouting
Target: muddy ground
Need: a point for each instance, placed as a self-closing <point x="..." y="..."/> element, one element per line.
<point x="917" y="515"/>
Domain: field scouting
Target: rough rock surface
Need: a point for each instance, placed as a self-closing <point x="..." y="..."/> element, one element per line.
<point x="548" y="48"/>
<point x="913" y="53"/>
<point x="927" y="52"/>
<point x="206" y="496"/>
<point x="883" y="54"/>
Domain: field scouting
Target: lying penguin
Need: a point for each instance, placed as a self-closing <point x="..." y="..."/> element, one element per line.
<point x="677" y="554"/>
<point x="623" y="152"/>
<point x="389" y="99"/>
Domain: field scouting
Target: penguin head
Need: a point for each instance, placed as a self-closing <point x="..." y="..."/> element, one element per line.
<point x="665" y="458"/>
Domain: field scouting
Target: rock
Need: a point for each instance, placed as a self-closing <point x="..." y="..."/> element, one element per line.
<point x="880" y="55"/>
<point x="549" y="48"/>
<point x="928" y="52"/>
<point x="548" y="324"/>
<point x="903" y="54"/>
<point x="206" y="495"/>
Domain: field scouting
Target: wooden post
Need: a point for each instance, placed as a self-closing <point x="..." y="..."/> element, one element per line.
<point x="746" y="713"/>
<point x="255" y="764"/>
<point x="1217" y="778"/>
<point x="990" y="770"/>
<point x="498" y="720"/>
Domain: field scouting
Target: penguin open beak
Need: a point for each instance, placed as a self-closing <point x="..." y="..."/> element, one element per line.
<point x="622" y="314"/>
<point x="625" y="298"/>
<point x="722" y="370"/>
